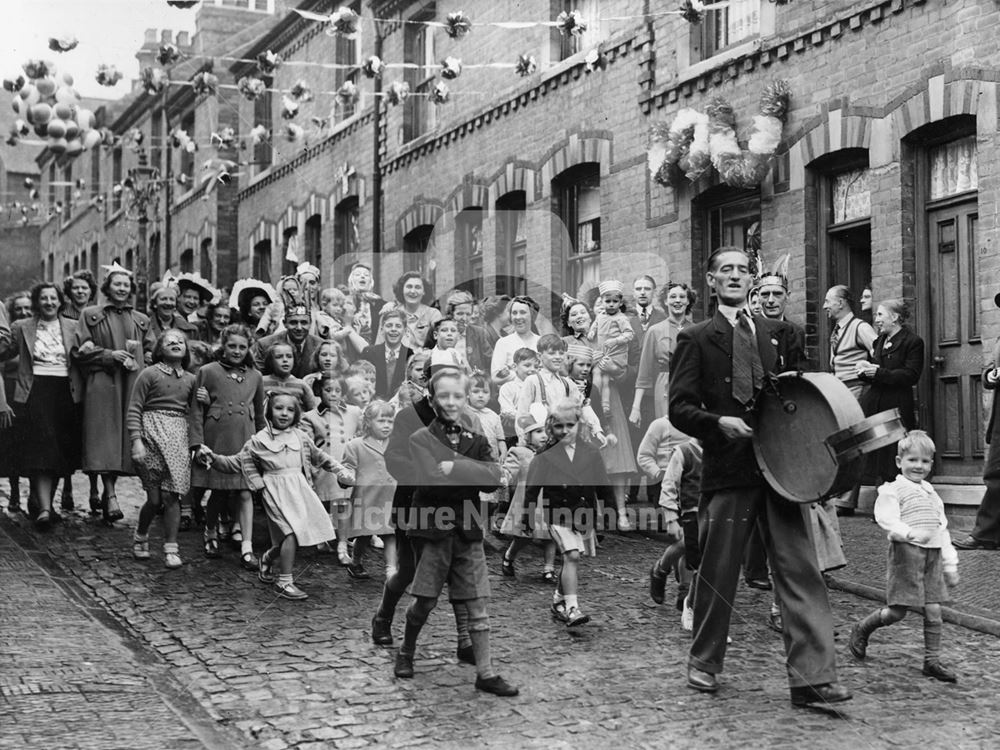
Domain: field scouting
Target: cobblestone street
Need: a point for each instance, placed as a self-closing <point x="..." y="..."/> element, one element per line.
<point x="235" y="661"/>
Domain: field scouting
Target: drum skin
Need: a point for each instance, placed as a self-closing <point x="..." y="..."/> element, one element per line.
<point x="790" y="440"/>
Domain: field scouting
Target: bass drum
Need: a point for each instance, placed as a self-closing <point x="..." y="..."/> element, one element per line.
<point x="794" y="422"/>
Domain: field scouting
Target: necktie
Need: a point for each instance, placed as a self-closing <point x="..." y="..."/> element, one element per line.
<point x="834" y="341"/>
<point x="644" y="315"/>
<point x="748" y="372"/>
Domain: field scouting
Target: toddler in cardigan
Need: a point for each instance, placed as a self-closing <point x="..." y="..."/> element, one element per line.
<point x="922" y="559"/>
<point x="610" y="334"/>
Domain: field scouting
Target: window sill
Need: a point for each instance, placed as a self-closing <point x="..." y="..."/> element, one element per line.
<point x="718" y="61"/>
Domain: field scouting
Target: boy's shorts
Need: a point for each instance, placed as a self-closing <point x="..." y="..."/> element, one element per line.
<point x="452" y="560"/>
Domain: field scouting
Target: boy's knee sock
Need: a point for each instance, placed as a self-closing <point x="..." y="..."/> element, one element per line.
<point x="462" y="624"/>
<point x="479" y="632"/>
<point x="416" y="615"/>
<point x="932" y="640"/>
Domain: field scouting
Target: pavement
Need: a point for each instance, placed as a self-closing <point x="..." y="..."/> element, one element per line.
<point x="206" y="654"/>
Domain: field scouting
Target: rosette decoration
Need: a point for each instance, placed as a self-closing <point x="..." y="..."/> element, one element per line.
<point x="49" y="105"/>
<point x="373" y="67"/>
<point x="348" y="93"/>
<point x="451" y="68"/>
<point x="268" y="62"/>
<point x="154" y="80"/>
<point x="63" y="44"/>
<point x="571" y="23"/>
<point x="225" y="138"/>
<point x="440" y="93"/>
<point x="457" y="25"/>
<point x="692" y="11"/>
<point x="289" y="107"/>
<point x="343" y="21"/>
<point x="205" y="83"/>
<point x="108" y="75"/>
<point x="168" y="55"/>
<point x="251" y="88"/>
<point x="694" y="141"/>
<point x="258" y="133"/>
<point x="526" y="65"/>
<point x="397" y="92"/>
<point x="301" y="92"/>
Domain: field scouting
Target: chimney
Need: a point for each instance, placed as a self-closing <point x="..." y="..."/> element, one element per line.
<point x="183" y="40"/>
<point x="150" y="48"/>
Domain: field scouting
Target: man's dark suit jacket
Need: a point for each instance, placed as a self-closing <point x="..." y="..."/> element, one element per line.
<point x="386" y="386"/>
<point x="701" y="391"/>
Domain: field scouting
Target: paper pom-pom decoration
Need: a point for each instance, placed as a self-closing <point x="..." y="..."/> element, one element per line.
<point x="571" y="23"/>
<point x="526" y="65"/>
<point x="251" y="88"/>
<point x="168" y="54"/>
<point x="14" y="84"/>
<point x="37" y="68"/>
<point x="205" y="83"/>
<point x="397" y="92"/>
<point x="63" y="44"/>
<point x="451" y="68"/>
<point x="457" y="25"/>
<point x="348" y="93"/>
<point x="440" y="93"/>
<point x="268" y="62"/>
<point x="154" y="80"/>
<point x="294" y="133"/>
<point x="108" y="75"/>
<point x="289" y="107"/>
<point x="343" y="21"/>
<point x="373" y="67"/>
<point x="692" y="11"/>
<point x="301" y="92"/>
<point x="258" y="133"/>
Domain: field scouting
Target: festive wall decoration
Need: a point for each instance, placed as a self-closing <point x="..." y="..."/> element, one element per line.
<point x="108" y="75"/>
<point x="440" y="93"/>
<point x="154" y="80"/>
<point x="251" y="88"/>
<point x="301" y="92"/>
<point x="571" y="23"/>
<point x="451" y="68"/>
<point x="373" y="67"/>
<point x="205" y="83"/>
<point x="397" y="92"/>
<point x="694" y="141"/>
<point x="526" y="65"/>
<point x="457" y="25"/>
<point x="268" y="62"/>
<point x="168" y="54"/>
<point x="63" y="44"/>
<point x="348" y="94"/>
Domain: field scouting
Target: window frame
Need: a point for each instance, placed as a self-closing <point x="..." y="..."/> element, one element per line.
<point x="568" y="187"/>
<point x="419" y="115"/>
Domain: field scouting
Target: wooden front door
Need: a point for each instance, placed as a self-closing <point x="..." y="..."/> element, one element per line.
<point x="954" y="345"/>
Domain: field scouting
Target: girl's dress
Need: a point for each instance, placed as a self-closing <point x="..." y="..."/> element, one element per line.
<point x="158" y="415"/>
<point x="530" y="523"/>
<point x="280" y="463"/>
<point x="374" y="488"/>
<point x="235" y="413"/>
<point x="331" y="430"/>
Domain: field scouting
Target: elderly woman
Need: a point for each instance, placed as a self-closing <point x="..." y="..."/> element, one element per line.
<point x="413" y="294"/>
<point x="677" y="299"/>
<point x="892" y="369"/>
<point x="618" y="455"/>
<point x="108" y="350"/>
<point x="368" y="305"/>
<point x="521" y="311"/>
<point x="79" y="290"/>
<point x="48" y="387"/>
<point x="163" y="316"/>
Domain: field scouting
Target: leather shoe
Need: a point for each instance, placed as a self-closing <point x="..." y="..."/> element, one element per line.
<point x="657" y="584"/>
<point x="970" y="542"/>
<point x="936" y="670"/>
<point x="404" y="665"/>
<point x="819" y="695"/>
<point x="466" y="655"/>
<point x="496" y="685"/>
<point x="759" y="583"/>
<point x="775" y="622"/>
<point x="845" y="512"/>
<point x="381" y="631"/>
<point x="704" y="682"/>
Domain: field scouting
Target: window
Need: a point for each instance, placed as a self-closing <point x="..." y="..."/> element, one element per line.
<point x="563" y="46"/>
<point x="346" y="239"/>
<point x="94" y="258"/>
<point x="314" y="240"/>
<point x="76" y="263"/>
<point x="156" y="137"/>
<point x="953" y="168"/>
<point x="116" y="178"/>
<point x="579" y="195"/>
<point x="66" y="270"/>
<point x="83" y="259"/>
<point x="418" y="50"/>
<point x="262" y="260"/>
<point x="67" y="191"/>
<point x="512" y="245"/>
<point x="206" y="259"/>
<point x="95" y="172"/>
<point x="187" y="261"/>
<point x="187" y="158"/>
<point x="725" y="28"/>
<point x="52" y="187"/>
<point x="263" y="114"/>
<point x="469" y="251"/>
<point x="130" y="259"/>
<point x="416" y="245"/>
<point x="348" y="52"/>
<point x="290" y="249"/>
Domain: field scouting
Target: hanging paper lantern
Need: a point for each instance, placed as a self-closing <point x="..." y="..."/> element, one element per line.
<point x="397" y="92"/>
<point x="63" y="44"/>
<point x="571" y="23"/>
<point x="457" y="25"/>
<point x="289" y="107"/>
<point x="344" y="22"/>
<point x="348" y="93"/>
<point x="268" y="62"/>
<point x="154" y="80"/>
<point x="168" y="54"/>
<point x="37" y="68"/>
<point x="526" y="65"/>
<point x="451" y="68"/>
<point x="440" y="93"/>
<point x="205" y="83"/>
<point x="108" y="75"/>
<point x="251" y="88"/>
<point x="301" y="92"/>
<point x="373" y="67"/>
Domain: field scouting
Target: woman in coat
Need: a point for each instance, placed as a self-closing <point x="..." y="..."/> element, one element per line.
<point x="45" y="396"/>
<point x="108" y="351"/>
<point x="894" y="367"/>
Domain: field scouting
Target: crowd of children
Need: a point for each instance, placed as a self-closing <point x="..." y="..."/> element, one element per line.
<point x="349" y="445"/>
